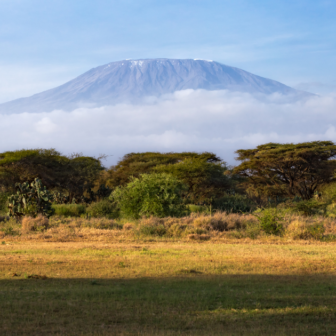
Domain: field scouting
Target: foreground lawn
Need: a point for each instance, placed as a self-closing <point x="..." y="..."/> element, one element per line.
<point x="161" y="288"/>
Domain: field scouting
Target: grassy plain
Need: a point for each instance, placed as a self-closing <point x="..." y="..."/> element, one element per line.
<point x="162" y="287"/>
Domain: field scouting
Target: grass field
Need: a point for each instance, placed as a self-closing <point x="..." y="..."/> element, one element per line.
<point x="167" y="288"/>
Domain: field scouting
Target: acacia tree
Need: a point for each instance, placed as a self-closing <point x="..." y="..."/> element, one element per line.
<point x="288" y="169"/>
<point x="73" y="174"/>
<point x="136" y="164"/>
<point x="205" y="180"/>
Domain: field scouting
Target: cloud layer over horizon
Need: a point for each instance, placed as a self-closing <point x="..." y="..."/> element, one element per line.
<point x="216" y="121"/>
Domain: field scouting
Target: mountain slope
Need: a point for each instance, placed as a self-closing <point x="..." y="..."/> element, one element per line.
<point x="132" y="80"/>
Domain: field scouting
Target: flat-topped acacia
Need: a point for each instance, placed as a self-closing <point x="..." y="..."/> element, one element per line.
<point x="288" y="169"/>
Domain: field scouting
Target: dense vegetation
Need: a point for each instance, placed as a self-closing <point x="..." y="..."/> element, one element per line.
<point x="299" y="178"/>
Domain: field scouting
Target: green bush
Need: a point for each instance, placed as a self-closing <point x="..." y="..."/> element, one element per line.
<point x="197" y="208"/>
<point x="153" y="230"/>
<point x="309" y="208"/>
<point x="103" y="208"/>
<point x="329" y="193"/>
<point x="3" y="202"/>
<point x="156" y="195"/>
<point x="331" y="210"/>
<point x="269" y="220"/>
<point x="10" y="226"/>
<point x="316" y="231"/>
<point x="69" y="210"/>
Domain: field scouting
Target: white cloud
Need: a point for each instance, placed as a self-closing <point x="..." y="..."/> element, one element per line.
<point x="216" y="121"/>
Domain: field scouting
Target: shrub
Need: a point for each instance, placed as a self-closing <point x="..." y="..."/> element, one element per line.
<point x="69" y="210"/>
<point x="299" y="229"/>
<point x="9" y="227"/>
<point x="199" y="237"/>
<point x="128" y="226"/>
<point x="253" y="229"/>
<point x="40" y="223"/>
<point x="103" y="208"/>
<point x="152" y="226"/>
<point x="153" y="230"/>
<point x="3" y="202"/>
<point x="269" y="220"/>
<point x="102" y="224"/>
<point x="308" y="208"/>
<point x="197" y="208"/>
<point x="331" y="210"/>
<point x="224" y="222"/>
<point x="150" y="195"/>
<point x="329" y="193"/>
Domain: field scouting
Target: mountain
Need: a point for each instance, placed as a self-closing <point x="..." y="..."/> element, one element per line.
<point x="132" y="80"/>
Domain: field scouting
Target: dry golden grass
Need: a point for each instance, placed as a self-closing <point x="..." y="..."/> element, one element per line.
<point x="219" y="227"/>
<point x="40" y="223"/>
<point x="153" y="259"/>
<point x="198" y="275"/>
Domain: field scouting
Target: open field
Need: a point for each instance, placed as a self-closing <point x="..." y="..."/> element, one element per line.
<point x="155" y="287"/>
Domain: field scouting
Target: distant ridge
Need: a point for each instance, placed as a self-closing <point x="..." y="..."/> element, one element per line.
<point x="132" y="80"/>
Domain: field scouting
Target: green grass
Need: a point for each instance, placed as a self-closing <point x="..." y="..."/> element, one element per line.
<point x="168" y="288"/>
<point x="193" y="305"/>
<point x="69" y="210"/>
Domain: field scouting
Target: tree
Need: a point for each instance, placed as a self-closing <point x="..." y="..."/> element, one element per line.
<point x="288" y="169"/>
<point x="150" y="195"/>
<point x="74" y="174"/>
<point x="205" y="180"/>
<point x="27" y="164"/>
<point x="135" y="164"/>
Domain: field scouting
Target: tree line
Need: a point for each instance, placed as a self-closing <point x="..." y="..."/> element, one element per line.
<point x="270" y="171"/>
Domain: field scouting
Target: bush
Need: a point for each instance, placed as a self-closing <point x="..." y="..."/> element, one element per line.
<point x="308" y="208"/>
<point x="150" y="195"/>
<point x="153" y="230"/>
<point x="197" y="208"/>
<point x="329" y="193"/>
<point x="331" y="210"/>
<point x="299" y="229"/>
<point x="3" y="202"/>
<point x="269" y="220"/>
<point x="9" y="227"/>
<point x="103" y="208"/>
<point x="69" y="210"/>
<point x="40" y="223"/>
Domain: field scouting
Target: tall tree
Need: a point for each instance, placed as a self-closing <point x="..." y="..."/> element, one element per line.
<point x="288" y="169"/>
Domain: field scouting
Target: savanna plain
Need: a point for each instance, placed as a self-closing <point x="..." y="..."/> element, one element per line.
<point x="97" y="277"/>
<point x="169" y="243"/>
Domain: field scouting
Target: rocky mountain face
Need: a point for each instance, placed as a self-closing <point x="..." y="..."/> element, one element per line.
<point x="133" y="80"/>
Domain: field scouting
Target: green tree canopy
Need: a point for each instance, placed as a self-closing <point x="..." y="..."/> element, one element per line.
<point x="288" y="169"/>
<point x="205" y="180"/>
<point x="73" y="173"/>
<point x="135" y="164"/>
<point x="150" y="195"/>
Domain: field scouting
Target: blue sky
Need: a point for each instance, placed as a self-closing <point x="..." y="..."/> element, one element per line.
<point x="45" y="43"/>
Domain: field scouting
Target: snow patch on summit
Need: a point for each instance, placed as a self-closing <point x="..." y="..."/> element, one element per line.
<point x="199" y="59"/>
